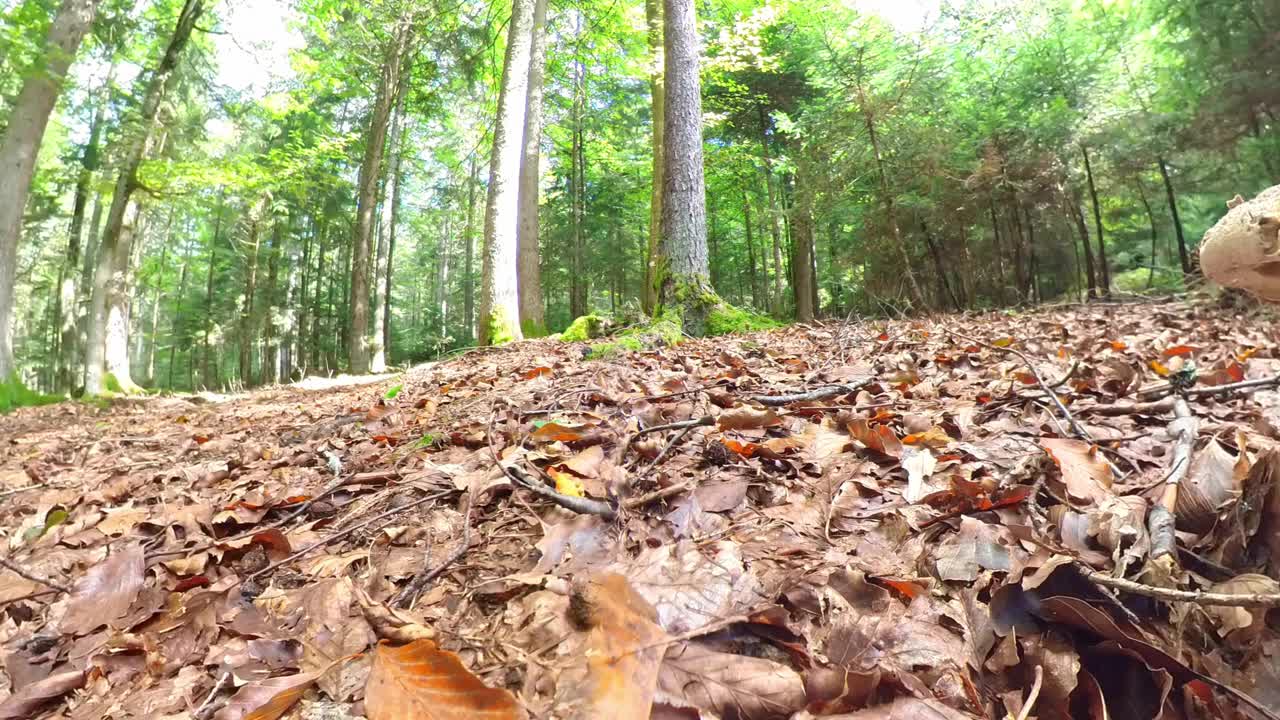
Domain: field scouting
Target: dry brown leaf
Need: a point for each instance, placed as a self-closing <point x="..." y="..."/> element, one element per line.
<point x="726" y="685"/>
<point x="624" y="649"/>
<point x="266" y="699"/>
<point x="1086" y="475"/>
<point x="557" y="432"/>
<point x="419" y="681"/>
<point x="26" y="701"/>
<point x="748" y="418"/>
<point x="105" y="592"/>
<point x="902" y="709"/>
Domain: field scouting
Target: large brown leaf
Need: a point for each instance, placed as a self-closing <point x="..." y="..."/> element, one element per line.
<point x="726" y="685"/>
<point x="1086" y="475"/>
<point x="266" y="699"/>
<point x="624" y="650"/>
<point x="906" y="709"/>
<point x="25" y="702"/>
<point x="105" y="592"/>
<point x="419" y="681"/>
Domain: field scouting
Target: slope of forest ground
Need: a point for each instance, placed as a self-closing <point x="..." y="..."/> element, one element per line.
<point x="880" y="519"/>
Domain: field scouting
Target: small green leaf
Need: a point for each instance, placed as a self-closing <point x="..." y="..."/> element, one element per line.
<point x="394" y="391"/>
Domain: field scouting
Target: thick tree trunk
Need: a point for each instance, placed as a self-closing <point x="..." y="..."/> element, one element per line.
<point x="386" y="230"/>
<point x="682" y="270"/>
<point x="1183" y="256"/>
<point x="499" y="294"/>
<point x="468" y="267"/>
<point x="1082" y="229"/>
<point x="391" y="244"/>
<point x="389" y="82"/>
<point x="28" y="117"/>
<point x="111" y="280"/>
<point x="802" y="234"/>
<point x="657" y="98"/>
<point x="1104" y="271"/>
<point x="528" y="267"/>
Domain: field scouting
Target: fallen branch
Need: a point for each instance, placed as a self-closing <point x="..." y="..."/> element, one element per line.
<point x="24" y="488"/>
<point x="704" y="421"/>
<point x="342" y="534"/>
<point x="1198" y="597"/>
<point x="822" y="393"/>
<point x="1157" y="407"/>
<point x="33" y="578"/>
<point x="675" y="440"/>
<point x="1162" y="520"/>
<point x="1030" y="703"/>
<point x="666" y="492"/>
<point x="409" y="595"/>
<point x="583" y="505"/>
<point x="207" y="707"/>
<point x="1272" y="381"/>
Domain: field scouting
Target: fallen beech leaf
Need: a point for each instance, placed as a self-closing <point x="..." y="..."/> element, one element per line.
<point x="1179" y="351"/>
<point x="1003" y="342"/>
<point x="726" y="685"/>
<point x="934" y="437"/>
<point x="1118" y="345"/>
<point x="906" y="709"/>
<point x="624" y="649"/>
<point x="566" y="483"/>
<point x="535" y="372"/>
<point x="27" y="700"/>
<point x="1243" y="623"/>
<point x="105" y="592"/>
<point x="1085" y="474"/>
<point x="879" y="438"/>
<point x="421" y="681"/>
<point x="266" y="699"/>
<point x="919" y="465"/>
<point x="747" y="418"/>
<point x="555" y="432"/>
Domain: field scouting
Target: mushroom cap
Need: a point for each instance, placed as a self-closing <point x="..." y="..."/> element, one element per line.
<point x="1243" y="249"/>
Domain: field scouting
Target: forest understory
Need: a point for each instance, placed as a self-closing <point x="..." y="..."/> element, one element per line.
<point x="1070" y="512"/>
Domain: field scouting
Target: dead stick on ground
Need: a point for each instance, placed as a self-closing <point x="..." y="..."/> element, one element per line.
<point x="409" y="595"/>
<point x="666" y="492"/>
<point x="1197" y="597"/>
<point x="344" y="533"/>
<point x="206" y="708"/>
<point x="33" y="578"/>
<point x="822" y="393"/>
<point x="1162" y="519"/>
<point x="1217" y="389"/>
<point x="583" y="505"/>
<point x="704" y="421"/>
<point x="1030" y="703"/>
<point x="667" y="449"/>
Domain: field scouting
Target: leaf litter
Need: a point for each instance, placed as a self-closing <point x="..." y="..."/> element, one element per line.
<point x="1018" y="516"/>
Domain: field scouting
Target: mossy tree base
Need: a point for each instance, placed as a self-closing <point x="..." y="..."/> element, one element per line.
<point x="700" y="312"/>
<point x="499" y="328"/>
<point x="14" y="394"/>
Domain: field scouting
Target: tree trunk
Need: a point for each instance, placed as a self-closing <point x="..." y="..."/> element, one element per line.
<point x="391" y="241"/>
<point x="891" y="212"/>
<point x="157" y="292"/>
<point x="499" y="294"/>
<point x="944" y="287"/>
<point x="657" y="96"/>
<point x="273" y="316"/>
<point x="117" y="240"/>
<point x="468" y="269"/>
<point x="316" y="310"/>
<point x="1033" y="261"/>
<point x="682" y="271"/>
<point x="386" y="229"/>
<point x="751" y="250"/>
<point x="578" y="280"/>
<point x="528" y="268"/>
<point x="1155" y="235"/>
<point x="389" y="82"/>
<point x="247" y="335"/>
<point x="999" y="251"/>
<point x="802" y="265"/>
<point x="1105" y="271"/>
<point x="1083" y="230"/>
<point x="1183" y="256"/>
<point x="1020" y="255"/>
<point x="774" y="230"/>
<point x="176" y="323"/>
<point x="28" y="117"/>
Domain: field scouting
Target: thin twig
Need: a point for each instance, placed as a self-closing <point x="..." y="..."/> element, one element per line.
<point x="822" y="393"/>
<point x="675" y="440"/>
<point x="24" y="488"/>
<point x="1218" y="389"/>
<point x="1030" y="704"/>
<point x="713" y="626"/>
<point x="704" y="421"/>
<point x="1162" y="519"/>
<point x="666" y="492"/>
<point x="33" y="578"/>
<point x="344" y="533"/>
<point x="206" y="708"/>
<point x="583" y="505"/>
<point x="409" y="595"/>
<point x="1198" y="597"/>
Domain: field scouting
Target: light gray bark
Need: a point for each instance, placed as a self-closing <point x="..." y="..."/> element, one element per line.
<point x="386" y="229"/>
<point x="529" y="271"/>
<point x="657" y="99"/>
<point x="499" y="296"/>
<point x="21" y="145"/>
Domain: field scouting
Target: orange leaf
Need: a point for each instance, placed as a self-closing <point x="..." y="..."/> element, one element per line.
<point x="879" y="438"/>
<point x="1179" y="351"/>
<point x="266" y="699"/>
<point x="535" y="372"/>
<point x="419" y="680"/>
<point x="553" y="431"/>
<point x="934" y="437"/>
<point x="1026" y="378"/>
<point x="1160" y="368"/>
<point x="1245" y="354"/>
<point x="1235" y="372"/>
<point x="1118" y="346"/>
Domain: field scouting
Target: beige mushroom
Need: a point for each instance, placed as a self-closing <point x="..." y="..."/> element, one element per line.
<point x="1243" y="249"/>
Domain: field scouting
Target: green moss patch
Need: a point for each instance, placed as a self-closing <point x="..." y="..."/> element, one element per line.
<point x="725" y="319"/>
<point x="662" y="332"/>
<point x="13" y="394"/>
<point x="586" y="327"/>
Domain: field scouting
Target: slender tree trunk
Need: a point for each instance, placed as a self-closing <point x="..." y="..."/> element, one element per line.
<point x="774" y="227"/>
<point x="1105" y="272"/>
<point x="1033" y="262"/>
<point x="1020" y="274"/>
<point x="683" y="268"/>
<point x="302" y="357"/>
<point x="1083" y="230"/>
<point x="751" y="250"/>
<point x="999" y="252"/>
<point x="578" y="281"/>
<point x="389" y="86"/>
<point x="391" y="240"/>
<point x="272" y="318"/>
<point x="386" y="228"/>
<point x="944" y="287"/>
<point x="176" y="323"/>
<point x="468" y="269"/>
<point x="1155" y="235"/>
<point x="157" y="293"/>
<point x="499" y="294"/>
<point x="207" y="368"/>
<point x="248" y="336"/>
<point x="657" y="98"/>
<point x="1183" y="256"/>
<point x="891" y="212"/>
<point x="20" y="145"/>
<point x="529" y="270"/>
<point x="317" y="314"/>
<point x="111" y="279"/>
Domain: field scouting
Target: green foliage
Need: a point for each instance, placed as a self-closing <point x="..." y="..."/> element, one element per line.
<point x="587" y="327"/>
<point x="726" y="319"/>
<point x="393" y="391"/>
<point x="664" y="331"/>
<point x="15" y="394"/>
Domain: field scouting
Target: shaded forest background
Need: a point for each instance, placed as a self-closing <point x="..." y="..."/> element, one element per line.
<point x="983" y="154"/>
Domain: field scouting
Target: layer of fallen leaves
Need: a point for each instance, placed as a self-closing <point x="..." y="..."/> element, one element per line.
<point x="914" y="546"/>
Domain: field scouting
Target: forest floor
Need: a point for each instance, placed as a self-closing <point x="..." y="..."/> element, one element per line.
<point x="881" y="519"/>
